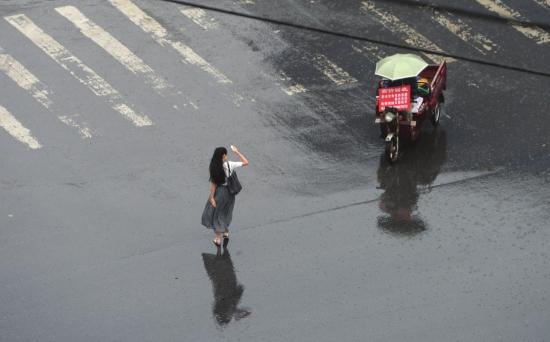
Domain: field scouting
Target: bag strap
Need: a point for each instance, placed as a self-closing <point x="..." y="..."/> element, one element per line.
<point x="228" y="169"/>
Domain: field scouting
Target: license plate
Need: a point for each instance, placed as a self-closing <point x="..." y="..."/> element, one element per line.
<point x="377" y="120"/>
<point x="413" y="123"/>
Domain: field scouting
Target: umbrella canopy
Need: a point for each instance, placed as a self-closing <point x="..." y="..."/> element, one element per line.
<point x="400" y="65"/>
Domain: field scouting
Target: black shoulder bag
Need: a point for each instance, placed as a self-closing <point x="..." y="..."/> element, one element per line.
<point x="233" y="184"/>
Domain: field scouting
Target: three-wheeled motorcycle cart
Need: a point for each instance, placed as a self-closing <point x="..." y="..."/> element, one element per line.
<point x="409" y="93"/>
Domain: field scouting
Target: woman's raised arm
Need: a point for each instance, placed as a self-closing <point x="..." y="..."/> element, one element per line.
<point x="241" y="156"/>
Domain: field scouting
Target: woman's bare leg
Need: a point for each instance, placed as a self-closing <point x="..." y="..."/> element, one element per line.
<point x="217" y="238"/>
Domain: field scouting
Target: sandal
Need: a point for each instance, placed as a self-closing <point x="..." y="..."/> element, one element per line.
<point x="225" y="239"/>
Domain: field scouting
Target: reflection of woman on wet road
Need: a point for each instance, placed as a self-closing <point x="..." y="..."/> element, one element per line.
<point x="227" y="290"/>
<point x="218" y="212"/>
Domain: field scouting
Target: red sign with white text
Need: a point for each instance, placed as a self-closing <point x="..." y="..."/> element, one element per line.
<point x="396" y="97"/>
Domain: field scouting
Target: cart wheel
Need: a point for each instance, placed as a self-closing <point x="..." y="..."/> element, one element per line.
<point x="436" y="115"/>
<point x="383" y="130"/>
<point x="392" y="149"/>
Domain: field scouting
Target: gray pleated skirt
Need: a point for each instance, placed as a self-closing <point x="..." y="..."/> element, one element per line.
<point x="219" y="218"/>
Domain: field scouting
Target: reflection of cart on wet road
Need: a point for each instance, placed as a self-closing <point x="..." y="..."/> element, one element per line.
<point x="410" y="92"/>
<point x="403" y="182"/>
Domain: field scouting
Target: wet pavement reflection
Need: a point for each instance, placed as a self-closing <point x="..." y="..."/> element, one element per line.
<point x="419" y="165"/>
<point x="227" y="290"/>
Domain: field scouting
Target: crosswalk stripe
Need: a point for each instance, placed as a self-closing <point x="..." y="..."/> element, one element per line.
<point x="70" y="120"/>
<point x="14" y="128"/>
<point x="24" y="79"/>
<point x="295" y="88"/>
<point x="535" y="33"/>
<point x="372" y="50"/>
<point x="160" y="35"/>
<point x="38" y="90"/>
<point x="413" y="38"/>
<point x="198" y="15"/>
<point x="75" y="67"/>
<point x="112" y="46"/>
<point x="462" y="30"/>
<point x="335" y="73"/>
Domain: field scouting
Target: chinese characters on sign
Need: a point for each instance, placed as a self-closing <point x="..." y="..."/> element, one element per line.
<point x="396" y="97"/>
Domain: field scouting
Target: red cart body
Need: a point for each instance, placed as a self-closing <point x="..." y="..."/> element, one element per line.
<point x="418" y="107"/>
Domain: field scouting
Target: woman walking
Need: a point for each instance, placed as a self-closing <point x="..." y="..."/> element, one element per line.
<point x="218" y="212"/>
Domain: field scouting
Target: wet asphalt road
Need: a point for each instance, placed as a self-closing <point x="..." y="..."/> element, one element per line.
<point x="100" y="237"/>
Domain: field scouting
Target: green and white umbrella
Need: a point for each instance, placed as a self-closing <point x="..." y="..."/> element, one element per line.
<point x="400" y="65"/>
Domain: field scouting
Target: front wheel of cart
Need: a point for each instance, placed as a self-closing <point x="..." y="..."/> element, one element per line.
<point x="392" y="149"/>
<point x="383" y="130"/>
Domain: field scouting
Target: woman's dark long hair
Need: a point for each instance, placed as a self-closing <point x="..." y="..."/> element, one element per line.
<point x="217" y="175"/>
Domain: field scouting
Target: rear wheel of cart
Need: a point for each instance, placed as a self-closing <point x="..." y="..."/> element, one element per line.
<point x="392" y="149"/>
<point x="436" y="115"/>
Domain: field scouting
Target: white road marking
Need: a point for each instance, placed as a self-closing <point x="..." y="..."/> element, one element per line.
<point x="84" y="131"/>
<point x="14" y="128"/>
<point x="535" y="33"/>
<point x="38" y="90"/>
<point x="75" y="67"/>
<point x="160" y="35"/>
<point x="477" y="40"/>
<point x="413" y="38"/>
<point x="24" y="79"/>
<point x="293" y="89"/>
<point x="335" y="73"/>
<point x="198" y="15"/>
<point x="371" y="50"/>
<point x="112" y="46"/>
